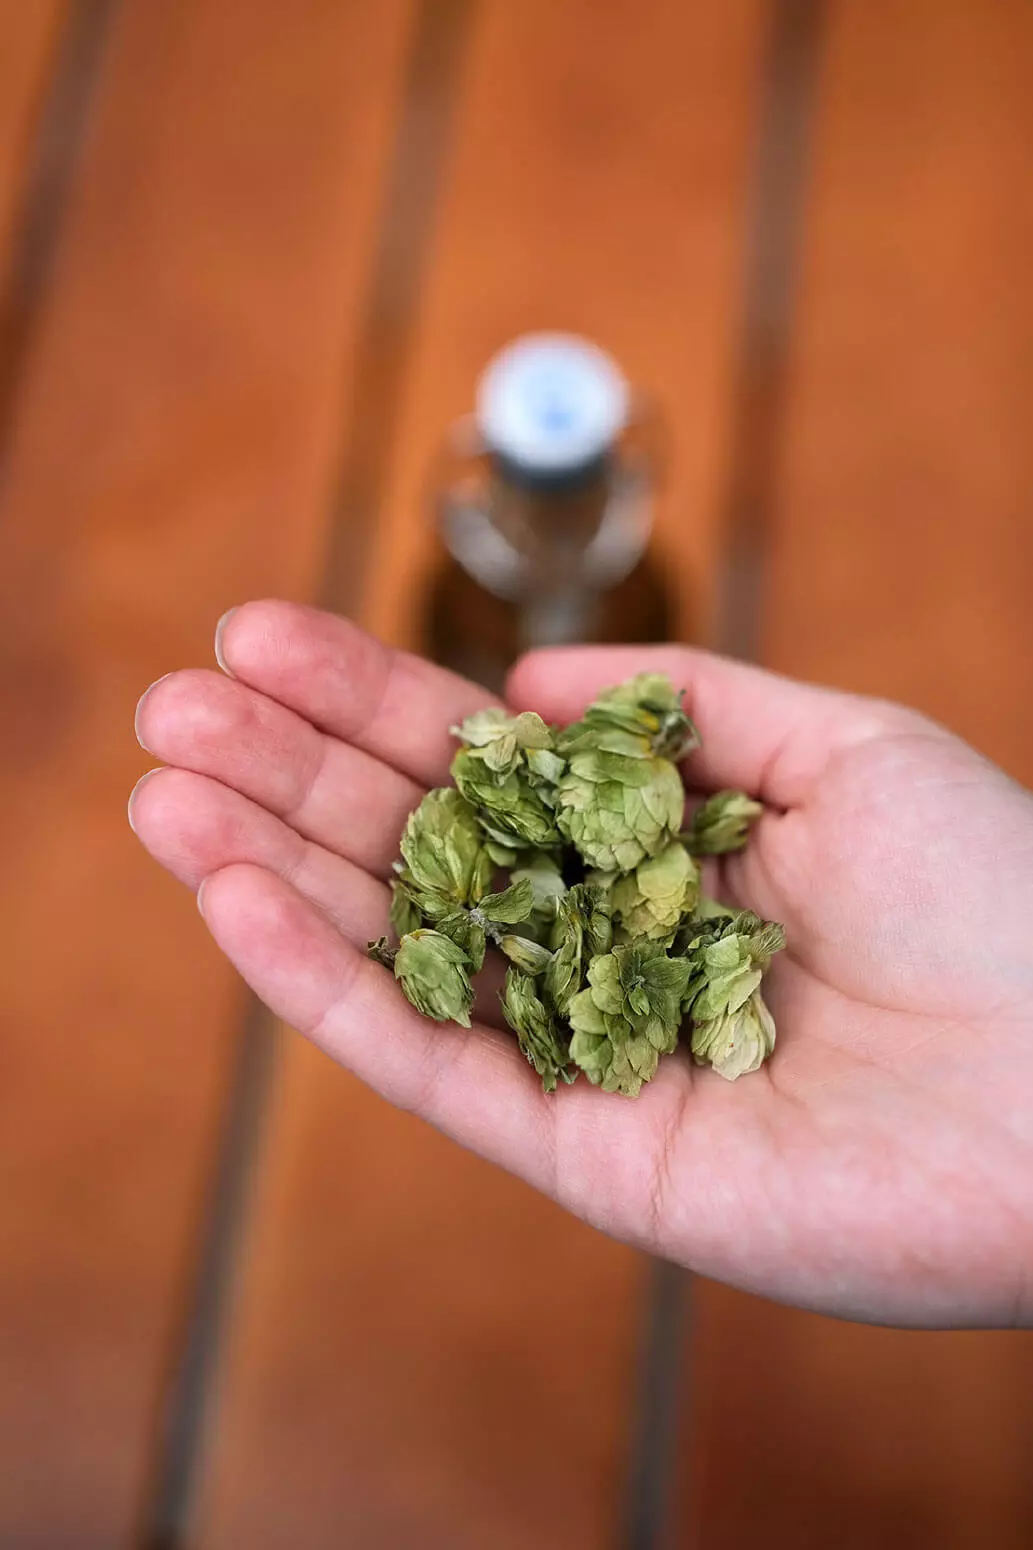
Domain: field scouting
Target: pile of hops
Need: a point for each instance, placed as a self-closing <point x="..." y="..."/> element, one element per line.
<point x="614" y="954"/>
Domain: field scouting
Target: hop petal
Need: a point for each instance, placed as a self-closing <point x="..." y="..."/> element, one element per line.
<point x="541" y="869"/>
<point x="529" y="956"/>
<point x="509" y="907"/>
<point x="406" y="914"/>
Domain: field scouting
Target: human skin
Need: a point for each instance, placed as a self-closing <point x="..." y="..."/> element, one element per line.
<point x="879" y="1167"/>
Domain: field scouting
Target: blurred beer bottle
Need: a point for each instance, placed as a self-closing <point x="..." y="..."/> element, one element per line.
<point x="544" y="500"/>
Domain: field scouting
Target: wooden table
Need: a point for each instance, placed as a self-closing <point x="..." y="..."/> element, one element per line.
<point x="252" y="257"/>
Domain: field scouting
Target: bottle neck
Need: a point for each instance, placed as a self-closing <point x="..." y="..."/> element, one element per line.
<point x="551" y="520"/>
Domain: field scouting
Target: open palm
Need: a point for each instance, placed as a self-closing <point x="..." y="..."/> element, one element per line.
<point x="879" y="1167"/>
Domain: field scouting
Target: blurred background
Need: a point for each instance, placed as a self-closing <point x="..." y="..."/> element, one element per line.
<point x="253" y="258"/>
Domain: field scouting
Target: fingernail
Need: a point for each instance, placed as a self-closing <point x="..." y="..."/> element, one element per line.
<point x="227" y="616"/>
<point x="141" y="702"/>
<point x="200" y="896"/>
<point x="135" y="793"/>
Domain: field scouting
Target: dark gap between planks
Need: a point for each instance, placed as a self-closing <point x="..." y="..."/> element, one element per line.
<point x="60" y="126"/>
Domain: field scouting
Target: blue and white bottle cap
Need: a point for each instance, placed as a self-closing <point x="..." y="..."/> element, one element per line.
<point x="551" y="403"/>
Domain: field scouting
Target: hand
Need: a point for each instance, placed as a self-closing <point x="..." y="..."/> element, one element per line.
<point x="880" y="1167"/>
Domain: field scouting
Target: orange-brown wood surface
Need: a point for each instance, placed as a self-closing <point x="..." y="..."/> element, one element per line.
<point x="423" y="1353"/>
<point x="426" y="1353"/>
<point x="171" y="454"/>
<point x="902" y="565"/>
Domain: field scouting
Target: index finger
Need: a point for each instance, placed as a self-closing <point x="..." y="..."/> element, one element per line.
<point x="393" y="705"/>
<point x="761" y="732"/>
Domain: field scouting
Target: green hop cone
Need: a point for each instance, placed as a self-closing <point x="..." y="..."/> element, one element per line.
<point x="647" y="706"/>
<point x="722" y="824"/>
<point x="652" y="900"/>
<point x="508" y="771"/>
<point x="618" y="807"/>
<point x="514" y="813"/>
<point x="727" y="957"/>
<point x="445" y="862"/>
<point x="582" y="931"/>
<point x="540" y="1036"/>
<point x="736" y="1042"/>
<point x="432" y="971"/>
<point x="732" y="1027"/>
<point x="628" y="1016"/>
<point x="621" y="798"/>
<point x="504" y="743"/>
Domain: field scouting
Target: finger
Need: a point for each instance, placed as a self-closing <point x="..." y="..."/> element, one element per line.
<point x="337" y="796"/>
<point x="767" y="734"/>
<point x="194" y="826"/>
<point x="394" y="706"/>
<point x="594" y="1152"/>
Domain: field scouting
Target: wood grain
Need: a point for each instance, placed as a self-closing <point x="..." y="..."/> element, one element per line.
<point x="426" y="1353"/>
<point x="903" y="563"/>
<point x="172" y="454"/>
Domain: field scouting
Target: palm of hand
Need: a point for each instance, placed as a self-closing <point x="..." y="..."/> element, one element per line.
<point x="876" y="1168"/>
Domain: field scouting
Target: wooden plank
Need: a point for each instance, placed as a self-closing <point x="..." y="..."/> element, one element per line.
<point x="903" y="562"/>
<point x="172" y="454"/>
<point x="426" y="1353"/>
<point x="30" y="33"/>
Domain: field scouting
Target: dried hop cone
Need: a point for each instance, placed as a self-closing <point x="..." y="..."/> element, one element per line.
<point x="433" y="972"/>
<point x="582" y="931"/>
<point x="736" y="1042"/>
<point x="446" y="865"/>
<point x="652" y="900"/>
<point x="508" y="770"/>
<point x="542" y="1040"/>
<point x="732" y="1028"/>
<point x="621" y="798"/>
<point x="647" y="706"/>
<point x="628" y="1016"/>
<point x="722" y="824"/>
